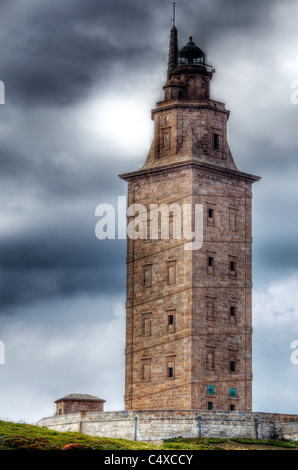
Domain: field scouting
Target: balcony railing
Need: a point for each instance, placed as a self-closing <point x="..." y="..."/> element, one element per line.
<point x="196" y="61"/>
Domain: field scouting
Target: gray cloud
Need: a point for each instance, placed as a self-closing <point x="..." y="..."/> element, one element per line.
<point x="53" y="54"/>
<point x="64" y="347"/>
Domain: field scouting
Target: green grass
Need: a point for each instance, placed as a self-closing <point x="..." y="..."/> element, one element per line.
<point x="201" y="443"/>
<point x="15" y="436"/>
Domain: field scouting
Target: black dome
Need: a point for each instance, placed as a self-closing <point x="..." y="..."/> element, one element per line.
<point x="191" y="53"/>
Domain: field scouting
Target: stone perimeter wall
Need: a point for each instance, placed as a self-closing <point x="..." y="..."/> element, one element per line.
<point x="157" y="425"/>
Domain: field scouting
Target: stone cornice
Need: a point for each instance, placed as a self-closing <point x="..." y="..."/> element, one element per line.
<point x="210" y="104"/>
<point x="204" y="166"/>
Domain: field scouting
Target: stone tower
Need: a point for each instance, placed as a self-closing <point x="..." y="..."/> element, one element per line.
<point x="188" y="311"/>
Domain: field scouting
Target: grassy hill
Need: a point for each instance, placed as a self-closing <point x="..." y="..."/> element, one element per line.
<point x="15" y="436"/>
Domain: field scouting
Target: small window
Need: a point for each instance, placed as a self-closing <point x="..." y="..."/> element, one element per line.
<point x="146" y="372"/>
<point x="210" y="215"/>
<point x="232" y="267"/>
<point x="233" y="221"/>
<point x="147" y="277"/>
<point x="170" y="321"/>
<point x="203" y="86"/>
<point x="172" y="229"/>
<point x="210" y="310"/>
<point x="233" y="392"/>
<point x="171" y="273"/>
<point x="209" y="405"/>
<point x="180" y="94"/>
<point x="146" y="326"/>
<point x="210" y="262"/>
<point x="210" y="359"/>
<point x="210" y="265"/>
<point x="232" y="408"/>
<point x="232" y="366"/>
<point x="148" y="234"/>
<point x="165" y="141"/>
<point x="166" y="119"/>
<point x="60" y="411"/>
<point x="232" y="314"/>
<point x="216" y="141"/>
<point x="170" y="367"/>
<point x="210" y="389"/>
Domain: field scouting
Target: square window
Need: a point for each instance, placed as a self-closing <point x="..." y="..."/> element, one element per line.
<point x="232" y="408"/>
<point x="233" y="392"/>
<point x="210" y="389"/>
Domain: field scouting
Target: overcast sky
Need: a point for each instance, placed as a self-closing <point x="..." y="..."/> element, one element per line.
<point x="80" y="81"/>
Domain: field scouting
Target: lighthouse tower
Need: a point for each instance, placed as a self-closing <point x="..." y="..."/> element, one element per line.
<point x="188" y="311"/>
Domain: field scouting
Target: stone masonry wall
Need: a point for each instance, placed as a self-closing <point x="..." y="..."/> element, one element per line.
<point x="164" y="424"/>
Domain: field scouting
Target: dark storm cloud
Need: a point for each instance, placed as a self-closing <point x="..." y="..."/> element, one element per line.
<point x="21" y="287"/>
<point x="52" y="267"/>
<point x="53" y="53"/>
<point x="210" y="21"/>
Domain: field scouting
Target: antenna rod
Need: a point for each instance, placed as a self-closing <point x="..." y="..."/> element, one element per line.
<point x="173" y="18"/>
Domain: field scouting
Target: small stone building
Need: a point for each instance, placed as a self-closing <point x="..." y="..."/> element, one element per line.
<point x="78" y="403"/>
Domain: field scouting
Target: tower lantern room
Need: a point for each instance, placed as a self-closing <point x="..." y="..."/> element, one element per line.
<point x="188" y="75"/>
